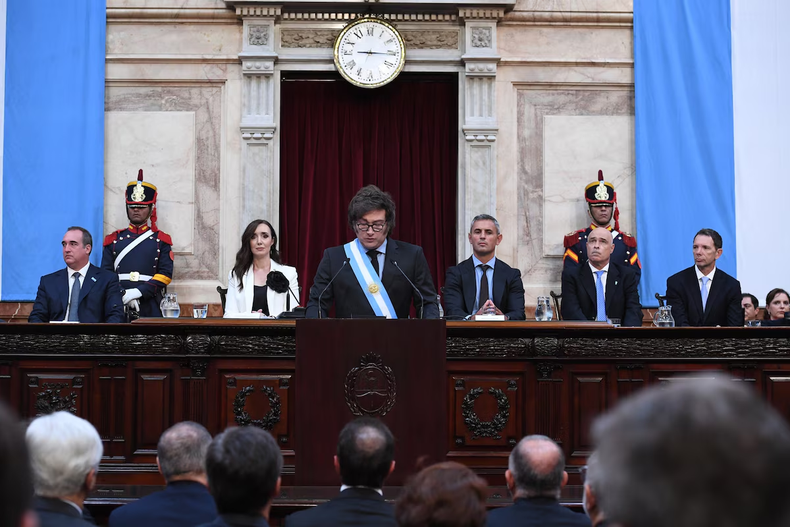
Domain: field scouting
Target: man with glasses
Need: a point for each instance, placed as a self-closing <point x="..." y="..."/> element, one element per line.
<point x="369" y="276"/>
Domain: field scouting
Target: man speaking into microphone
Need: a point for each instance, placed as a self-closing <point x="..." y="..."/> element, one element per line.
<point x="373" y="275"/>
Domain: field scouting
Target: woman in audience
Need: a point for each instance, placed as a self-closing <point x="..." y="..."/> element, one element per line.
<point x="258" y="281"/>
<point x="442" y="495"/>
<point x="777" y="303"/>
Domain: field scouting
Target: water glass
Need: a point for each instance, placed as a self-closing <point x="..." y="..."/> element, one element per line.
<point x="199" y="310"/>
<point x="752" y="323"/>
<point x="543" y="311"/>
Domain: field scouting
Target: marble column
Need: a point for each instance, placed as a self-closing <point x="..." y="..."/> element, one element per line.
<point x="477" y="182"/>
<point x="260" y="181"/>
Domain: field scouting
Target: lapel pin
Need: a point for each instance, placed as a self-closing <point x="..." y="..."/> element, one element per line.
<point x="93" y="278"/>
<point x="615" y="282"/>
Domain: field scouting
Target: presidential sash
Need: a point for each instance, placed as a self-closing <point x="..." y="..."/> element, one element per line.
<point x="369" y="280"/>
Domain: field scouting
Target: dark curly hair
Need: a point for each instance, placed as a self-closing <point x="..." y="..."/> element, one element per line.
<point x="244" y="256"/>
<point x="371" y="198"/>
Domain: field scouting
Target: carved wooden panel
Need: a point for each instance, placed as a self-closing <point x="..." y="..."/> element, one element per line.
<point x="629" y="378"/>
<point x="109" y="412"/>
<point x="674" y="373"/>
<point x="5" y="382"/>
<point x="588" y="401"/>
<point x="258" y="400"/>
<point x="48" y="391"/>
<point x="548" y="402"/>
<point x="153" y="404"/>
<point x="777" y="391"/>
<point x="487" y="410"/>
<point x="194" y="391"/>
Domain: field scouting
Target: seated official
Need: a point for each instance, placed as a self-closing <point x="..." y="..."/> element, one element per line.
<point x="446" y="494"/>
<point x="751" y="307"/>
<point x="600" y="289"/>
<point x="777" y="303"/>
<point x="186" y="501"/>
<point x="81" y="292"/>
<point x="370" y="275"/>
<point x="258" y="281"/>
<point x="704" y="295"/>
<point x="484" y="284"/>
<point x="365" y="450"/>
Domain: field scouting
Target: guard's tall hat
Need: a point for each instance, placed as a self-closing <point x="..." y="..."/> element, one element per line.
<point x="600" y="193"/>
<point x="141" y="194"/>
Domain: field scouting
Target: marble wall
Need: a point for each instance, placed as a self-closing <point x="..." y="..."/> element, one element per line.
<point x="545" y="94"/>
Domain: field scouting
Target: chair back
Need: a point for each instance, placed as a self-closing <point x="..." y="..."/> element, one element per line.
<point x="556" y="299"/>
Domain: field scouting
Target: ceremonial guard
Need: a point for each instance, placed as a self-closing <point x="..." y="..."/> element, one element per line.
<point x="602" y="208"/>
<point x="141" y="255"/>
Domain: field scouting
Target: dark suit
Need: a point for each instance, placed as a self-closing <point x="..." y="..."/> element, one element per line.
<point x="579" y="299"/>
<point x="723" y="307"/>
<point x="53" y="512"/>
<point x="347" y="295"/>
<point x="236" y="520"/>
<point x="354" y="507"/>
<point x="100" y="297"/>
<point x="182" y="503"/>
<point x="460" y="290"/>
<point x="546" y="512"/>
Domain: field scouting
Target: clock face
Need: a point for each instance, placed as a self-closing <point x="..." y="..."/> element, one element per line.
<point x="369" y="53"/>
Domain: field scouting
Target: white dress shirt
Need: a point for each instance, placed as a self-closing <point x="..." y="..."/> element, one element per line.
<point x="71" y="272"/>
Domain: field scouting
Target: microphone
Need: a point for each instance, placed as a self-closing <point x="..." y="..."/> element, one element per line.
<point x="320" y="310"/>
<point x="422" y="300"/>
<point x="288" y="306"/>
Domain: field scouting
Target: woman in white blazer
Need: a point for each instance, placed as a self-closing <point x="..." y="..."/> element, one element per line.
<point x="258" y="281"/>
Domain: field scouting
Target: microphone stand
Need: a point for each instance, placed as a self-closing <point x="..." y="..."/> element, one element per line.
<point x="422" y="299"/>
<point x="320" y="309"/>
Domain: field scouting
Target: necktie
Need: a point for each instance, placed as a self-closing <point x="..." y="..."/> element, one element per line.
<point x="704" y="291"/>
<point x="601" y="299"/>
<point x="373" y="254"/>
<point x="75" y="299"/>
<point x="483" y="286"/>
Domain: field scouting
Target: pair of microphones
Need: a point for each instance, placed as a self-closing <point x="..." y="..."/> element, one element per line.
<point x="393" y="262"/>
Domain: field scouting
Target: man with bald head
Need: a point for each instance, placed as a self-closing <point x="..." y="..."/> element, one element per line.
<point x="364" y="459"/>
<point x="601" y="290"/>
<point x="535" y="475"/>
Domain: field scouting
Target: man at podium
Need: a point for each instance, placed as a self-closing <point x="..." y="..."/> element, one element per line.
<point x="373" y="275"/>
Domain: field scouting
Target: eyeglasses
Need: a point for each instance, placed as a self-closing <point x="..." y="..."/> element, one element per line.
<point x="362" y="226"/>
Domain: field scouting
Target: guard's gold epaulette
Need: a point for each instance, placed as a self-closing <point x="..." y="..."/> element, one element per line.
<point x="629" y="240"/>
<point x="111" y="238"/>
<point x="572" y="238"/>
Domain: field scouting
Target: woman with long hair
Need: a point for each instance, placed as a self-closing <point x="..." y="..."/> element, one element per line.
<point x="776" y="304"/>
<point x="258" y="282"/>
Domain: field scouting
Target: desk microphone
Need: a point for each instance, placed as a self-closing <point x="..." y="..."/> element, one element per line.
<point x="422" y="300"/>
<point x="320" y="310"/>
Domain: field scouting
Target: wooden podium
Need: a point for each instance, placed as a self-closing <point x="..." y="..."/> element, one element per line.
<point x="390" y="369"/>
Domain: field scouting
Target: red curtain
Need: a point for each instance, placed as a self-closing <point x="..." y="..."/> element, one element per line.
<point x="336" y="138"/>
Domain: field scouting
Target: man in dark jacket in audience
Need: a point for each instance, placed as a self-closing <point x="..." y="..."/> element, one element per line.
<point x="365" y="450"/>
<point x="535" y="475"/>
<point x="186" y="502"/>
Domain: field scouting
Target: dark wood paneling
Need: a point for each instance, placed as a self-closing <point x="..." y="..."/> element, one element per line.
<point x="549" y="390"/>
<point x="588" y="401"/>
<point x="777" y="390"/>
<point x="260" y="400"/>
<point x="154" y="398"/>
<point x="486" y="411"/>
<point x="109" y="408"/>
<point x="51" y="390"/>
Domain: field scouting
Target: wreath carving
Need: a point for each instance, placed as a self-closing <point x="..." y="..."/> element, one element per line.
<point x="490" y="428"/>
<point x="271" y="418"/>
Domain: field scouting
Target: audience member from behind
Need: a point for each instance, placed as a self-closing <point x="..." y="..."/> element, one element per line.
<point x="777" y="303"/>
<point x="443" y="495"/>
<point x="751" y="307"/>
<point x="243" y="467"/>
<point x="695" y="453"/>
<point x="591" y="499"/>
<point x="365" y="450"/>
<point x="65" y="452"/>
<point x="16" y="483"/>
<point x="181" y="457"/>
<point x="535" y="476"/>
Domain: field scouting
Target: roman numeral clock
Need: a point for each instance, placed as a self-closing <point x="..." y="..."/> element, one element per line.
<point x="369" y="53"/>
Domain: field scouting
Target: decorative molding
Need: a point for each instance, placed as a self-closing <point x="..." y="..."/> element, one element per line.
<point x="568" y="18"/>
<point x="561" y="63"/>
<point x="258" y="35"/>
<point x="308" y="38"/>
<point x="481" y="13"/>
<point x="486" y="347"/>
<point x="200" y="344"/>
<point x="478" y="428"/>
<point x="431" y="39"/>
<point x="258" y="66"/>
<point x="258" y="11"/>
<point x="183" y="15"/>
<point x="269" y="420"/>
<point x="197" y="366"/>
<point x="374" y="381"/>
<point x="50" y="399"/>
<point x="687" y="348"/>
<point x="483" y="137"/>
<point x="391" y="17"/>
<point x="546" y="346"/>
<point x="481" y="37"/>
<point x="545" y="369"/>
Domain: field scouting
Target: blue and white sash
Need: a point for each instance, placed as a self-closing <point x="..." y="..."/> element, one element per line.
<point x="369" y="280"/>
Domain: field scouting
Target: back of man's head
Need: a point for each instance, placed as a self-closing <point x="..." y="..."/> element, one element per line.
<point x="16" y="484"/>
<point x="64" y="449"/>
<point x="182" y="451"/>
<point x="696" y="453"/>
<point x="537" y="467"/>
<point x="591" y="494"/>
<point x="365" y="449"/>
<point x="243" y="467"/>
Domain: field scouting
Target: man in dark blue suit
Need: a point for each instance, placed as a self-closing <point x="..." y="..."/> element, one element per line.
<point x="365" y="450"/>
<point x="186" y="502"/>
<point x="704" y="295"/>
<point x="600" y="289"/>
<point x="371" y="275"/>
<point x="80" y="293"/>
<point x="535" y="476"/>
<point x="502" y="291"/>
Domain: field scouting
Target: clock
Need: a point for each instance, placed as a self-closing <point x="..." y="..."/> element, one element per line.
<point x="369" y="53"/>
